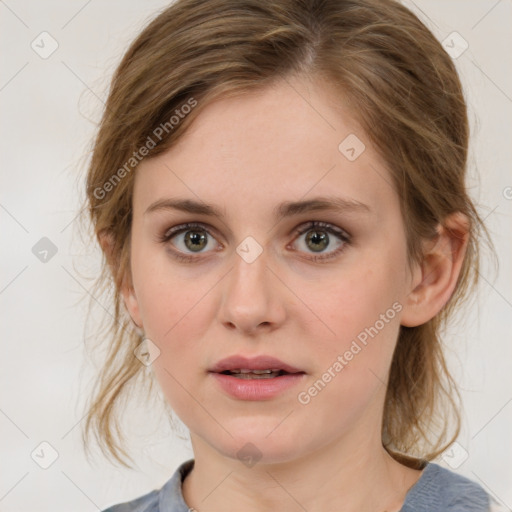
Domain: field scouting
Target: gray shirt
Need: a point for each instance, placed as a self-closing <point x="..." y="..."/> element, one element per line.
<point x="437" y="490"/>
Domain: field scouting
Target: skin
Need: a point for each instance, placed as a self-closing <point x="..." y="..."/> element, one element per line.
<point x="246" y="155"/>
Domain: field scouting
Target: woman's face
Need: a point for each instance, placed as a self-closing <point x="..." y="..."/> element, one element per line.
<point x="252" y="285"/>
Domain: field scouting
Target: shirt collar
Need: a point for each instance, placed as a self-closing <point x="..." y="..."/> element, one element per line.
<point x="170" y="497"/>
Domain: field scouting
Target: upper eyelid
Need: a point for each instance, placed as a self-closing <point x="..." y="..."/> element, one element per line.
<point x="188" y="225"/>
<point x="298" y="230"/>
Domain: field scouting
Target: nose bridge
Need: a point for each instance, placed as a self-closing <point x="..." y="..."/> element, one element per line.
<point x="251" y="297"/>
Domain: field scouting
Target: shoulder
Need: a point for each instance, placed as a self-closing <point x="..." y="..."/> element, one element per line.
<point x="168" y="498"/>
<point x="146" y="503"/>
<point x="440" y="489"/>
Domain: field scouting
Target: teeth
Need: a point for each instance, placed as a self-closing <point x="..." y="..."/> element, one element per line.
<point x="253" y="376"/>
<point x="257" y="372"/>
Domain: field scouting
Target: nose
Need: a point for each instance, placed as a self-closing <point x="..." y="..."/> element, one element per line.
<point x="252" y="298"/>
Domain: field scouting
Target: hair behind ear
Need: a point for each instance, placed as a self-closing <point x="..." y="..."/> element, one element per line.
<point x="106" y="240"/>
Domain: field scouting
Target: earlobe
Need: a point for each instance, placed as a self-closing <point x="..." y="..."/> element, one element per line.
<point x="127" y="291"/>
<point x="435" y="279"/>
<point x="132" y="305"/>
<point x="106" y="241"/>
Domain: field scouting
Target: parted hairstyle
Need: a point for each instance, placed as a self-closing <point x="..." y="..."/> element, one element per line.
<point x="403" y="89"/>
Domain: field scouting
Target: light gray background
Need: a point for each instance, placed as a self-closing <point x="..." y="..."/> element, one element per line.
<point x="49" y="107"/>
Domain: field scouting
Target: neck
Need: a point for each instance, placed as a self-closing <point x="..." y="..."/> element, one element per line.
<point x="349" y="475"/>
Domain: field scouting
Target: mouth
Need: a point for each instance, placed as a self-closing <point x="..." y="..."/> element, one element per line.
<point x="255" y="378"/>
<point x="260" y="367"/>
<point x="246" y="373"/>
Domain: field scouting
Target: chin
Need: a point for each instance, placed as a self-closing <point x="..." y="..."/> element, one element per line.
<point x="255" y="446"/>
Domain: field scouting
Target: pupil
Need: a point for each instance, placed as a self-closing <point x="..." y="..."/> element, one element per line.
<point x="194" y="240"/>
<point x="318" y="238"/>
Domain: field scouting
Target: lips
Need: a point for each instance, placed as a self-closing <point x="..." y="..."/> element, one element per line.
<point x="258" y="378"/>
<point x="240" y="364"/>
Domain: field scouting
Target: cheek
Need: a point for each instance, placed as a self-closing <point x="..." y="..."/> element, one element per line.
<point x="351" y="365"/>
<point x="176" y="322"/>
<point x="169" y="296"/>
<point x="355" y="300"/>
<point x="363" y="315"/>
<point x="175" y="313"/>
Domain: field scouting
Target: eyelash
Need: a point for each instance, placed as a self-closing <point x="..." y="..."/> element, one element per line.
<point x="325" y="226"/>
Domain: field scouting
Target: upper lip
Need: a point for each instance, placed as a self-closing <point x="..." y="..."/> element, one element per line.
<point x="262" y="362"/>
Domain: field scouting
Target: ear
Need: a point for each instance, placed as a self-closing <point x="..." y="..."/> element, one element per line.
<point x="434" y="280"/>
<point x="127" y="291"/>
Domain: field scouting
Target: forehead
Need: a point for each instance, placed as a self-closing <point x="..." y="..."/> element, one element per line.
<point x="293" y="140"/>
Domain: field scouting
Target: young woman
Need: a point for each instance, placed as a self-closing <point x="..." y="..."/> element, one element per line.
<point x="279" y="190"/>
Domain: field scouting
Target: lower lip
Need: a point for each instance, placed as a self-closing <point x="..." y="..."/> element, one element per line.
<point x="257" y="389"/>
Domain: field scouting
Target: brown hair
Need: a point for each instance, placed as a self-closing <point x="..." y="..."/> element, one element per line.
<point x="407" y="96"/>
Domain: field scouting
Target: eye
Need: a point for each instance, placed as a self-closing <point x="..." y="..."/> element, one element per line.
<point x="318" y="239"/>
<point x="196" y="238"/>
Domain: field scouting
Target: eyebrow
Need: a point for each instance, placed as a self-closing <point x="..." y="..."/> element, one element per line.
<point x="285" y="209"/>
